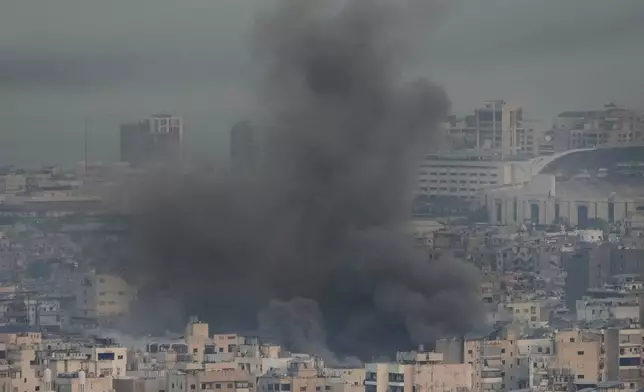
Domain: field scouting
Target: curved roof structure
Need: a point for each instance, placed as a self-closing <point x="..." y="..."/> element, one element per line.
<point x="590" y="159"/>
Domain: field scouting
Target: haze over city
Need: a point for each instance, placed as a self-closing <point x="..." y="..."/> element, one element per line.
<point x="321" y="195"/>
<point x="66" y="60"/>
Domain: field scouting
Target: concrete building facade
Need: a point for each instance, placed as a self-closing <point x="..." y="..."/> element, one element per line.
<point x="156" y="140"/>
<point x="546" y="201"/>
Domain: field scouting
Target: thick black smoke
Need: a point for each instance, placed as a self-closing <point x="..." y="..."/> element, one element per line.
<point x="305" y="247"/>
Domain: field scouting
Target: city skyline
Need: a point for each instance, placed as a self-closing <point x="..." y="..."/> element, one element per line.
<point x="53" y="78"/>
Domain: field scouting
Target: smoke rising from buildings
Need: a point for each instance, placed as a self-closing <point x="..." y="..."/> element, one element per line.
<point x="306" y="247"/>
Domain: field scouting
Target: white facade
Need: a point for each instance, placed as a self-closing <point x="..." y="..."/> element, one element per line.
<point x="465" y="176"/>
<point x="608" y="309"/>
<point x="166" y="124"/>
<point x="592" y="236"/>
<point x="108" y="361"/>
<point x="545" y="201"/>
<point x="528" y="313"/>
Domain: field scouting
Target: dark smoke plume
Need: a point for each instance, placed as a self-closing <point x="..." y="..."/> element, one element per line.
<point x="308" y="241"/>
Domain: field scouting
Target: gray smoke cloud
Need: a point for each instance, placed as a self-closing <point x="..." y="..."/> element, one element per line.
<point x="306" y="247"/>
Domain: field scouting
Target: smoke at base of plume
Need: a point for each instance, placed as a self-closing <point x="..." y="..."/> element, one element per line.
<point x="308" y="241"/>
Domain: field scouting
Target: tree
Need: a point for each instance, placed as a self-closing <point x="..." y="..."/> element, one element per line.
<point x="596" y="224"/>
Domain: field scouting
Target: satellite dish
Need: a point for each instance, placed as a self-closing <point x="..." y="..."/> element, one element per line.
<point x="548" y="138"/>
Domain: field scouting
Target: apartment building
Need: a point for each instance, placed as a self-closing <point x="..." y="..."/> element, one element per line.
<point x="18" y="374"/>
<point x="347" y="379"/>
<point x="595" y="309"/>
<point x="228" y="380"/>
<point x="527" y="313"/>
<point x="158" y="139"/>
<point x="80" y="382"/>
<point x="20" y="335"/>
<point x="622" y="357"/>
<point x="537" y="354"/>
<point x="301" y="376"/>
<point x="580" y="352"/>
<point x="612" y="125"/>
<point x="420" y="377"/>
<point x="102" y="298"/>
<point x="495" y="125"/>
<point x="196" y="337"/>
<point x="495" y="360"/>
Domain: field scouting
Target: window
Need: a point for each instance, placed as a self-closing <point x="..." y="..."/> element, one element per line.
<point x="193" y="387"/>
<point x="580" y="353"/>
<point x="515" y="210"/>
<point x="120" y="357"/>
<point x="285" y="387"/>
<point x="318" y="388"/>
<point x="302" y="389"/>
<point x="580" y="376"/>
<point x="230" y="386"/>
<point x="502" y="351"/>
<point x="539" y="349"/>
<point x="327" y="387"/>
<point x="270" y="387"/>
<point x="370" y="376"/>
<point x="203" y="385"/>
<point x="396" y="377"/>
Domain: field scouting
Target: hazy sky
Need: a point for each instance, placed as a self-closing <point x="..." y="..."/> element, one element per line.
<point x="118" y="60"/>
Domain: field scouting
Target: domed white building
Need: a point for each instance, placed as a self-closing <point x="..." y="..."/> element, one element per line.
<point x="574" y="187"/>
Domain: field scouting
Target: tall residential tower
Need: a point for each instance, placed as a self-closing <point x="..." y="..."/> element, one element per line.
<point x="156" y="140"/>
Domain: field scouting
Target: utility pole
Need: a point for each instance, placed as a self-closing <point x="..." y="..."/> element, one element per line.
<point x="85" y="146"/>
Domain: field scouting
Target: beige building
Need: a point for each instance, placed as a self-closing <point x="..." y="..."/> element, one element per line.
<point x="200" y="380"/>
<point x="347" y="380"/>
<point x="94" y="361"/>
<point x="80" y="382"/>
<point x="136" y="384"/>
<point x="580" y="352"/>
<point x="196" y="338"/>
<point x="418" y="377"/>
<point x="301" y="376"/>
<point x="19" y="375"/>
<point x="495" y="361"/>
<point x="527" y="313"/>
<point x="27" y="338"/>
<point x="103" y="297"/>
